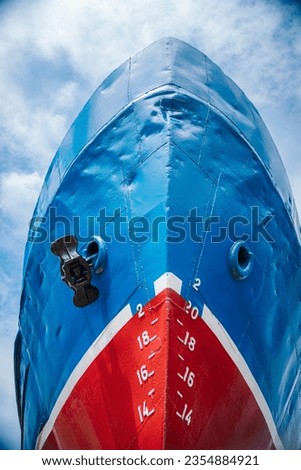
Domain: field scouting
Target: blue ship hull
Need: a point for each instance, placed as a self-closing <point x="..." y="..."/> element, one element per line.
<point x="171" y="165"/>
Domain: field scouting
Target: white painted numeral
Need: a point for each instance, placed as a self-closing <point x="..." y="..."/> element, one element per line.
<point x="143" y="374"/>
<point x="192" y="311"/>
<point x="144" y="412"/>
<point x="144" y="339"/>
<point x="140" y="310"/>
<point x="189" y="341"/>
<point x="197" y="283"/>
<point x="185" y="415"/>
<point x="188" y="377"/>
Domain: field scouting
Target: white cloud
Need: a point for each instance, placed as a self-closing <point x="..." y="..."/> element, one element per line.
<point x="18" y="195"/>
<point x="8" y="410"/>
<point x="257" y="43"/>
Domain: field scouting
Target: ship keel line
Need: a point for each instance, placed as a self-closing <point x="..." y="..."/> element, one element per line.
<point x="185" y="384"/>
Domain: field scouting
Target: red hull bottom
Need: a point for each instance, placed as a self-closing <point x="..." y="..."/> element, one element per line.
<point x="164" y="381"/>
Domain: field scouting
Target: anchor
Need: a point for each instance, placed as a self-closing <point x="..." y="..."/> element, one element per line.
<point x="76" y="271"/>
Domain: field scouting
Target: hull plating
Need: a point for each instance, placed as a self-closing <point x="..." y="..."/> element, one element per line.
<point x="161" y="149"/>
<point x="177" y="389"/>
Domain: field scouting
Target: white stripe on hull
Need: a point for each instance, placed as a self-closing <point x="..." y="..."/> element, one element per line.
<point x="167" y="280"/>
<point x="230" y="347"/>
<point x="98" y="345"/>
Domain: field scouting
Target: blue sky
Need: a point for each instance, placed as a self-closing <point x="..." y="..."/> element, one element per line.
<point x="54" y="53"/>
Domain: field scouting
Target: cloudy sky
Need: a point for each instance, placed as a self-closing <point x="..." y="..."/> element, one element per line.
<point x="54" y="53"/>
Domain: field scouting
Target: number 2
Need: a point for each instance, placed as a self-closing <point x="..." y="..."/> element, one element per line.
<point x="140" y="310"/>
<point x="197" y="283"/>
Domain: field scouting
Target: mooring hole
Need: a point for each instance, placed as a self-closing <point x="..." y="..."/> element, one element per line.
<point x="244" y="257"/>
<point x="92" y="248"/>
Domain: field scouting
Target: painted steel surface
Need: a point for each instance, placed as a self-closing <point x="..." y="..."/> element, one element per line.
<point x="160" y="145"/>
<point x="177" y="389"/>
